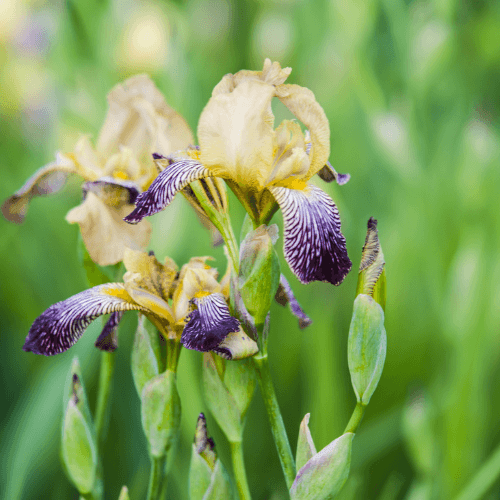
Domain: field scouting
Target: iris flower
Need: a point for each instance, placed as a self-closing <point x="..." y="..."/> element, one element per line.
<point x="138" y="122"/>
<point x="188" y="307"/>
<point x="265" y="167"/>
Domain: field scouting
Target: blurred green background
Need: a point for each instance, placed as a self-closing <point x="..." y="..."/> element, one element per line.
<point x="411" y="89"/>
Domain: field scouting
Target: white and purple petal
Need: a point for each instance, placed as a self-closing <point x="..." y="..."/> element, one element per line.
<point x="63" y="323"/>
<point x="314" y="245"/>
<point x="285" y="296"/>
<point x="209" y="324"/>
<point x="175" y="177"/>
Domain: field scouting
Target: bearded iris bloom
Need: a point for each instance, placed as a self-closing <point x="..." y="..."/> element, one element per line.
<point x="265" y="167"/>
<point x="164" y="295"/>
<point x="138" y="122"/>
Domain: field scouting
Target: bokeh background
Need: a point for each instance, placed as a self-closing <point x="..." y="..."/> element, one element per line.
<point x="411" y="89"/>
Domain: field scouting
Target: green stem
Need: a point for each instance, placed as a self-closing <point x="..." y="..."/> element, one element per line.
<point x="275" y="419"/>
<point x="156" y="478"/>
<point x="483" y="480"/>
<point x="103" y="397"/>
<point x="356" y="417"/>
<point x="239" y="470"/>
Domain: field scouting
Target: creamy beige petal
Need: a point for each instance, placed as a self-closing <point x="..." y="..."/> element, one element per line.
<point x="236" y="134"/>
<point x="88" y="161"/>
<point x="139" y="118"/>
<point x="47" y="180"/>
<point x="104" y="232"/>
<point x="302" y="103"/>
<point x="155" y="277"/>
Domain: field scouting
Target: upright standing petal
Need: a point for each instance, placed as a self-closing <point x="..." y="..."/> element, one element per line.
<point x="161" y="193"/>
<point x="63" y="323"/>
<point x="314" y="245"/>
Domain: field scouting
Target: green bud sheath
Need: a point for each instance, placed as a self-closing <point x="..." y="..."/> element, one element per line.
<point x="145" y="354"/>
<point x="367" y="345"/>
<point x="324" y="475"/>
<point x="305" y="444"/>
<point x="161" y="412"/>
<point x="259" y="272"/>
<point x="228" y="389"/>
<point x="79" y="449"/>
<point x="371" y="278"/>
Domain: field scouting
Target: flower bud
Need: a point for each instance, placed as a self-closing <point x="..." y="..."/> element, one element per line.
<point x="124" y="494"/>
<point x="371" y="278"/>
<point x="78" y="444"/>
<point x="228" y="388"/>
<point x="323" y="475"/>
<point x="367" y="345"/>
<point x="207" y="477"/>
<point x="161" y="412"/>
<point x="259" y="273"/>
<point x="146" y="355"/>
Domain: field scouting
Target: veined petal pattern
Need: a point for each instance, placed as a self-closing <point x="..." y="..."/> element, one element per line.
<point x="63" y="323"/>
<point x="314" y="245"/>
<point x="209" y="324"/>
<point x="163" y="189"/>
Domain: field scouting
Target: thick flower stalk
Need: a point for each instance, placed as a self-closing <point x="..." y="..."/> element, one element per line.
<point x="165" y="296"/>
<point x="266" y="168"/>
<point x="138" y="122"/>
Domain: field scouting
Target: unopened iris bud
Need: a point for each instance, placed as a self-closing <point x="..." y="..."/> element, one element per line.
<point x="78" y="444"/>
<point x="367" y="345"/>
<point x="371" y="278"/>
<point x="228" y="388"/>
<point x="207" y="477"/>
<point x="145" y="354"/>
<point x="259" y="273"/>
<point x="161" y="412"/>
<point x="323" y="474"/>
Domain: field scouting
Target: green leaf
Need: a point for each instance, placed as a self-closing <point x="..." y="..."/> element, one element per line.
<point x="161" y="412"/>
<point x="367" y="347"/>
<point x="200" y="476"/>
<point x="220" y="485"/>
<point x="324" y="475"/>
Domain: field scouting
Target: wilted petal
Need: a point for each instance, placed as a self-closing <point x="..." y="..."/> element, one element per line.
<point x="103" y="231"/>
<point x="314" y="244"/>
<point x="236" y="134"/>
<point x="47" y="180"/>
<point x="329" y="174"/>
<point x="161" y="193"/>
<point x="108" y="339"/>
<point x="139" y="118"/>
<point x="285" y="296"/>
<point x="62" y="324"/>
<point x="302" y="103"/>
<point x="237" y="345"/>
<point x="209" y="324"/>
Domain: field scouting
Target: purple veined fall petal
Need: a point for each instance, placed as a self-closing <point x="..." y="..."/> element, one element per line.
<point x="63" y="323"/>
<point x="108" y="339"/>
<point x="285" y="296"/>
<point x="113" y="191"/>
<point x="314" y="245"/>
<point x="163" y="189"/>
<point x="209" y="324"/>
